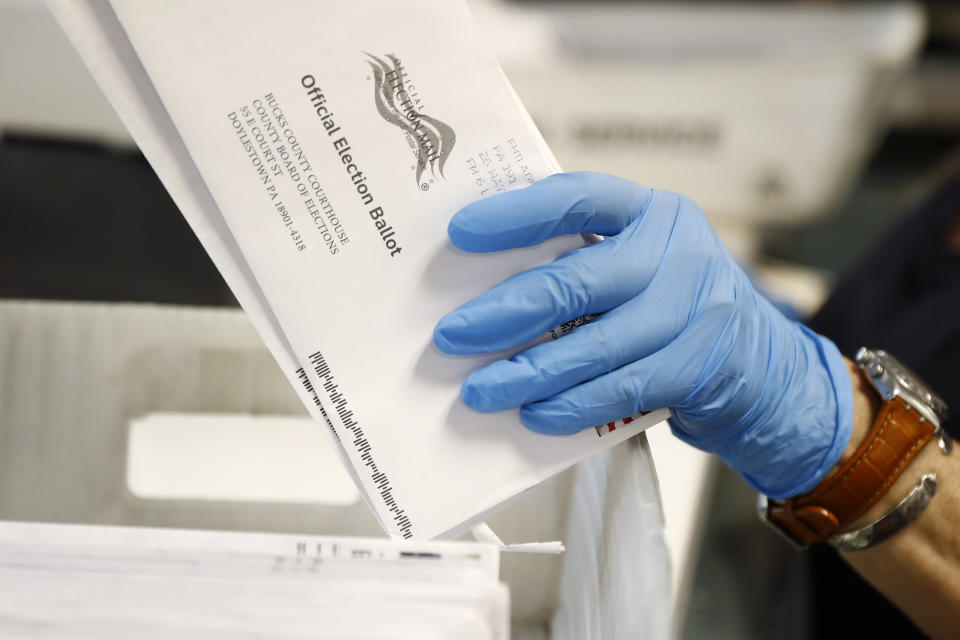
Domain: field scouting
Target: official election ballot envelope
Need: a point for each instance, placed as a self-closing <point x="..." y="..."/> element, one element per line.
<point x="318" y="150"/>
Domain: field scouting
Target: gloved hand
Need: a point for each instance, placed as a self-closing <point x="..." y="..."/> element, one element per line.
<point x="680" y="327"/>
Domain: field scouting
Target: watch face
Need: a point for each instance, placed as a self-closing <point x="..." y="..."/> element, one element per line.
<point x="904" y="376"/>
<point x="899" y="380"/>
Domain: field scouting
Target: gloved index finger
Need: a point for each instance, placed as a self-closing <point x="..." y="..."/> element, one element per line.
<point x="561" y="204"/>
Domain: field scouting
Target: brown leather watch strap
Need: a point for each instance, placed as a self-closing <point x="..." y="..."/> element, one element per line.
<point x="896" y="437"/>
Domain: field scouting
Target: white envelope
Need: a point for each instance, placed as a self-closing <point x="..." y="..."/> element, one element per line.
<point x="60" y="581"/>
<point x="318" y="150"/>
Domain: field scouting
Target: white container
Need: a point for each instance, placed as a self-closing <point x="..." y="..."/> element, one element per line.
<point x="760" y="112"/>
<point x="108" y="413"/>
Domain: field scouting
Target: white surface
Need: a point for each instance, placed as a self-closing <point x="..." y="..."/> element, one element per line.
<point x="74" y="376"/>
<point x="234" y="457"/>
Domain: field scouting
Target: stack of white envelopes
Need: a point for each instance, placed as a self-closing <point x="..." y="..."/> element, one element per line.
<point x="68" y="581"/>
<point x="318" y="150"/>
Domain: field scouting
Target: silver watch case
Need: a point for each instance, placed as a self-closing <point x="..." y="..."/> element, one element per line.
<point x="891" y="379"/>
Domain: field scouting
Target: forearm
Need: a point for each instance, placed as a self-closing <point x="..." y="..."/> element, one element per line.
<point x="918" y="569"/>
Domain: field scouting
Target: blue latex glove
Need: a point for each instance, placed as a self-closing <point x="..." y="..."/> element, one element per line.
<point x="681" y="327"/>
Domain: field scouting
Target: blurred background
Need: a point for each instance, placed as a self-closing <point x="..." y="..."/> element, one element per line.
<point x="807" y="131"/>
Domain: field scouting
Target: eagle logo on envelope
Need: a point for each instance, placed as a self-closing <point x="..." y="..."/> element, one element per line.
<point x="399" y="103"/>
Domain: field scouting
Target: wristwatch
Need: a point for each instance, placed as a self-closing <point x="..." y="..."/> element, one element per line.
<point x="911" y="416"/>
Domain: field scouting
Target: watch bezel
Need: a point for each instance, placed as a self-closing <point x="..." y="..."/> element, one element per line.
<point x="891" y="378"/>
